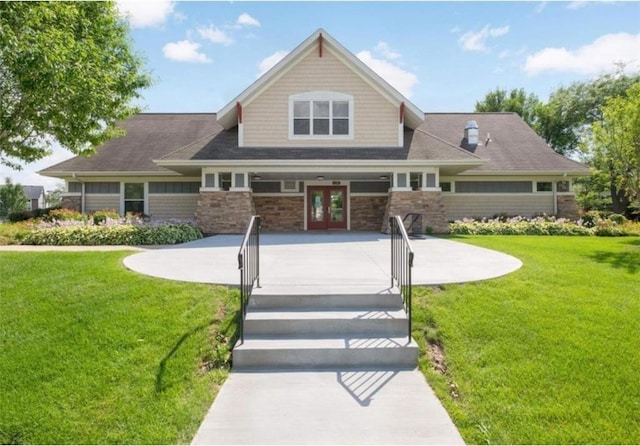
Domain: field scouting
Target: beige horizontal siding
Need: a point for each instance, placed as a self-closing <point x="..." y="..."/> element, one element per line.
<point x="96" y="202"/>
<point x="459" y="206"/>
<point x="266" y="119"/>
<point x="173" y="206"/>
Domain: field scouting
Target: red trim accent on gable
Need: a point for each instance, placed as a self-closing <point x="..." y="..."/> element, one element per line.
<point x="320" y="45"/>
<point x="239" y="108"/>
<point x="401" y="113"/>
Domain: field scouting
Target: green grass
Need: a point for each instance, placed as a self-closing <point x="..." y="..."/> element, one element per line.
<point x="93" y="353"/>
<point x="549" y="354"/>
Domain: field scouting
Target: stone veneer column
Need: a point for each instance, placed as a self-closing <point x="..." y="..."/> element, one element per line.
<point x="428" y="203"/>
<point x="283" y="213"/>
<point x="73" y="202"/>
<point x="224" y="212"/>
<point x="567" y="207"/>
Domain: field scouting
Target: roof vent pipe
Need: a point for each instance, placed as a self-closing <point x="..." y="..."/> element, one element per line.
<point x="471" y="133"/>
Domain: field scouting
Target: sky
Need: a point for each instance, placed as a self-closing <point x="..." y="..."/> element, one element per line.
<point x="443" y="56"/>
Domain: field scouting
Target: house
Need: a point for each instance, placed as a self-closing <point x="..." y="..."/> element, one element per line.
<point x="35" y="197"/>
<point x="322" y="142"/>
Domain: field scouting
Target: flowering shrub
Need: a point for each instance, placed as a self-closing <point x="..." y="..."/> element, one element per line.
<point x="104" y="227"/>
<point x="544" y="225"/>
<point x="122" y="234"/>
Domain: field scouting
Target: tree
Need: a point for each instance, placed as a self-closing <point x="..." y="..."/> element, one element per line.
<point x="615" y="142"/>
<point x="67" y="72"/>
<point x="565" y="120"/>
<point x="515" y="101"/>
<point x="12" y="198"/>
<point x="54" y="197"/>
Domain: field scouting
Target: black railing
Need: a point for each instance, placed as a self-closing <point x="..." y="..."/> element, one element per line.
<point x="401" y="263"/>
<point x="414" y="228"/>
<point x="249" y="266"/>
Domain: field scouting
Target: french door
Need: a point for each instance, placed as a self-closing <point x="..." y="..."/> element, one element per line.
<point x="327" y="207"/>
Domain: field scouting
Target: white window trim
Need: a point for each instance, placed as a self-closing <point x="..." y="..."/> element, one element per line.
<point x="322" y="96"/>
<point x="145" y="197"/>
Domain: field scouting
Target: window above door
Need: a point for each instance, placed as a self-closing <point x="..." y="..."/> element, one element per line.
<point x="321" y="115"/>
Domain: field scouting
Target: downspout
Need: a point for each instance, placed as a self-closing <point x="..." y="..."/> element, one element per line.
<point x="82" y="199"/>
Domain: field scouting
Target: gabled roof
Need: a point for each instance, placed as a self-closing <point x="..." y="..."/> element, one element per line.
<point x="149" y="136"/>
<point x="513" y="146"/>
<point x="33" y="192"/>
<point x="228" y="115"/>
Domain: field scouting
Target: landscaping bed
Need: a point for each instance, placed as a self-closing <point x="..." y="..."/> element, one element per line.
<point x="62" y="227"/>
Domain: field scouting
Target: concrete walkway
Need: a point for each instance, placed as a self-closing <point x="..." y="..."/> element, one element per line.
<point x="322" y="260"/>
<point x="325" y="406"/>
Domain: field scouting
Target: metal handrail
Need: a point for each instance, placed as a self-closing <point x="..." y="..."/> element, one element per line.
<point x="401" y="263"/>
<point x="249" y="266"/>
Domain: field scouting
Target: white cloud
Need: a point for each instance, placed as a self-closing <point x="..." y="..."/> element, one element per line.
<point x="143" y="14"/>
<point x="246" y="20"/>
<point x="576" y="4"/>
<point x="184" y="51"/>
<point x="268" y="62"/>
<point x="401" y="80"/>
<point x="509" y="53"/>
<point x="455" y="30"/>
<point x="540" y="7"/>
<point x="476" y="41"/>
<point x="215" y="35"/>
<point x="597" y="57"/>
<point x="385" y="50"/>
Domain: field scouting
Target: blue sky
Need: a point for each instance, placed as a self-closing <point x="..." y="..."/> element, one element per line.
<point x="444" y="56"/>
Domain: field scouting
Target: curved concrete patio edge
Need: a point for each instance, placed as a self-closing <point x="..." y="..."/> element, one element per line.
<point x="312" y="260"/>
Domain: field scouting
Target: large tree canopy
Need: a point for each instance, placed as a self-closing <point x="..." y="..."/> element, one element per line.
<point x="565" y="120"/>
<point x="67" y="73"/>
<point x="615" y="142"/>
<point x="516" y="101"/>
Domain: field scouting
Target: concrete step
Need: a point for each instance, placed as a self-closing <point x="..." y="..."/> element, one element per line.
<point x="317" y="353"/>
<point x="329" y="324"/>
<point x="291" y="298"/>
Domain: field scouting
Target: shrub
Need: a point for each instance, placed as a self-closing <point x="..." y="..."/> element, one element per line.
<point x="100" y="217"/>
<point x="64" y="215"/>
<point x="28" y="215"/>
<point x="593" y="224"/>
<point x="125" y="234"/>
<point x="618" y="218"/>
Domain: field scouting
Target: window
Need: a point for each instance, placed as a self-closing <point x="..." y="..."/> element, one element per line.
<point x="101" y="188"/>
<point x="543" y="186"/>
<point x="445" y="186"/>
<point x="75" y="187"/>
<point x="493" y="187"/>
<point x="562" y="186"/>
<point x="134" y="198"/>
<point x="174" y="188"/>
<point x="321" y="114"/>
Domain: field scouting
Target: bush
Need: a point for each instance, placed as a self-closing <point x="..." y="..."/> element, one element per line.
<point x="101" y="217"/>
<point x="28" y="215"/>
<point x="125" y="234"/>
<point x="618" y="218"/>
<point x="593" y="224"/>
<point x="64" y="215"/>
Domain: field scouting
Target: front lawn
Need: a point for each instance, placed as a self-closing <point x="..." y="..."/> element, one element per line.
<point x="93" y="353"/>
<point x="548" y="354"/>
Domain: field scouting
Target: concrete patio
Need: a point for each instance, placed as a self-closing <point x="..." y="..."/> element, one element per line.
<point x="322" y="261"/>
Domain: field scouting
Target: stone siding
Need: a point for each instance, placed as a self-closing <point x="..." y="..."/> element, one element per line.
<point x="224" y="212"/>
<point x="282" y="214"/>
<point x="567" y="207"/>
<point x="72" y="202"/>
<point x="367" y="212"/>
<point x="428" y="203"/>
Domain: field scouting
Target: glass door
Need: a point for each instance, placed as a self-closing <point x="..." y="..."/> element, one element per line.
<point x="326" y="207"/>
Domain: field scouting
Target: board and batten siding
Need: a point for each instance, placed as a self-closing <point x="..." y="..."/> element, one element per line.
<point x="173" y="205"/>
<point x="266" y="118"/>
<point x="460" y="206"/>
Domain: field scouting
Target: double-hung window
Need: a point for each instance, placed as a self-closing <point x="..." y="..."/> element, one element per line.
<point x="321" y="115"/>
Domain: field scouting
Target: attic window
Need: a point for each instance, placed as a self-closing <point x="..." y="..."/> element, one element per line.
<point x="321" y="115"/>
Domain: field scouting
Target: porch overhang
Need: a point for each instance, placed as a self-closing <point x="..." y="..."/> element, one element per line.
<point x="312" y="168"/>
